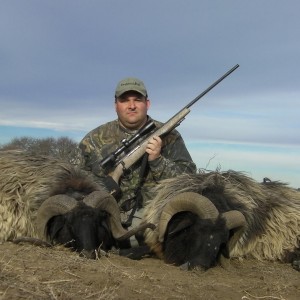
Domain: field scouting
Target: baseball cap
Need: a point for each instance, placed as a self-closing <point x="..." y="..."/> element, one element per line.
<point x="130" y="84"/>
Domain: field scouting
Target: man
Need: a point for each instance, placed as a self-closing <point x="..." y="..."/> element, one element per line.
<point x="165" y="157"/>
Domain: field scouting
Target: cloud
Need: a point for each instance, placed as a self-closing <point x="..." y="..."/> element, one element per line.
<point x="277" y="162"/>
<point x="61" y="60"/>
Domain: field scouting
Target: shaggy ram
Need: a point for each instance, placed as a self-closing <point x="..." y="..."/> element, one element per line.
<point x="201" y="218"/>
<point x="48" y="199"/>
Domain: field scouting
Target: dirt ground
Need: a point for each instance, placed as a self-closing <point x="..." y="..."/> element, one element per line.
<point x="31" y="272"/>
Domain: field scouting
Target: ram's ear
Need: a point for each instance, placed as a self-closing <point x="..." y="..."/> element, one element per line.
<point x="182" y="225"/>
<point x="224" y="250"/>
<point x="54" y="225"/>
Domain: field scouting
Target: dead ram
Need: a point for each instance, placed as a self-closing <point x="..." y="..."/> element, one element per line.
<point x="48" y="199"/>
<point x="204" y="217"/>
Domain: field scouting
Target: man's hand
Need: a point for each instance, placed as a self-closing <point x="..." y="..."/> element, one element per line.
<point x="154" y="148"/>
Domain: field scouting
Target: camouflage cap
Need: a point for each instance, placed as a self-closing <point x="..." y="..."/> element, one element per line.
<point x="130" y="84"/>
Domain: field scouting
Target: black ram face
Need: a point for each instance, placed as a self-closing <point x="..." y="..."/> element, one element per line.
<point x="83" y="229"/>
<point x="192" y="242"/>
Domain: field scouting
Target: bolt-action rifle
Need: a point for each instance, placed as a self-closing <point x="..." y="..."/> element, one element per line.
<point x="129" y="159"/>
<point x="111" y="160"/>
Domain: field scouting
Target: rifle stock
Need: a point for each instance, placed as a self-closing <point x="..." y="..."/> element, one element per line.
<point x="138" y="152"/>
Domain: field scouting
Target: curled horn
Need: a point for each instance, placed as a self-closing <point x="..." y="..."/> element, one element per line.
<point x="53" y="206"/>
<point x="95" y="199"/>
<point x="133" y="231"/>
<point x="188" y="201"/>
<point x="106" y="202"/>
<point x="234" y="219"/>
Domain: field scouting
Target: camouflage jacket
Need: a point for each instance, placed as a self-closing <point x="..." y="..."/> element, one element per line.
<point x="105" y="139"/>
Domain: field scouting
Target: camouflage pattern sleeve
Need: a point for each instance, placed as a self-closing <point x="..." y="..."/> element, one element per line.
<point x="174" y="160"/>
<point x="90" y="149"/>
<point x="97" y="144"/>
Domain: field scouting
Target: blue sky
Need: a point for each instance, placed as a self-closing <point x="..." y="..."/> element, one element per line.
<point x="61" y="60"/>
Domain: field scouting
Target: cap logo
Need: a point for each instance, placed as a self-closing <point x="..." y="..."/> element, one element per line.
<point x="130" y="83"/>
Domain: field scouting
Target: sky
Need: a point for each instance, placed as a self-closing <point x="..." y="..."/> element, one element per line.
<point x="60" y="61"/>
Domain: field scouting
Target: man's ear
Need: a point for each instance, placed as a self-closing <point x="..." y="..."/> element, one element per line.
<point x="148" y="103"/>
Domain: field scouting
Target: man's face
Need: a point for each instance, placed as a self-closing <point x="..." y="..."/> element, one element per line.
<point x="131" y="108"/>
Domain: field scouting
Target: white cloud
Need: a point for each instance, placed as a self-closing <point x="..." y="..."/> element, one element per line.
<point x="60" y="62"/>
<point x="257" y="160"/>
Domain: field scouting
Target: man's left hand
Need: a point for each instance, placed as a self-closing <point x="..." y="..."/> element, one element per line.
<point x="154" y="148"/>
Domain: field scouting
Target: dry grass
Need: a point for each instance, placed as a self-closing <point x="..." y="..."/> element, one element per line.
<point x="30" y="272"/>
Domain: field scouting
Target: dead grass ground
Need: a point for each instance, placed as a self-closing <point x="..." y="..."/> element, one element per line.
<point x="30" y="272"/>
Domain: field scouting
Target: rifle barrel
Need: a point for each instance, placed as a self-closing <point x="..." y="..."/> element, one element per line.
<point x="212" y="86"/>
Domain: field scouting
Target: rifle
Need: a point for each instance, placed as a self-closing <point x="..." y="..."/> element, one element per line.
<point x="173" y="122"/>
<point x="110" y="160"/>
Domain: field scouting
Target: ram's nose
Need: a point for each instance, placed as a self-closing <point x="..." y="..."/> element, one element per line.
<point x="296" y="264"/>
<point x="188" y="266"/>
<point x="185" y="266"/>
<point x="90" y="254"/>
